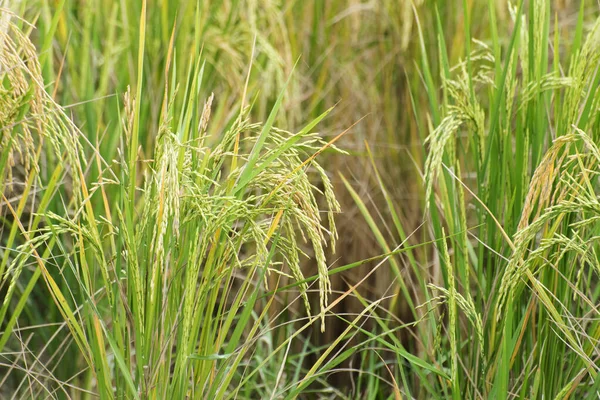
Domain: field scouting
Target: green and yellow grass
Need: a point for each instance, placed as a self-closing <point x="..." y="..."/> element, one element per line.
<point x="177" y="220"/>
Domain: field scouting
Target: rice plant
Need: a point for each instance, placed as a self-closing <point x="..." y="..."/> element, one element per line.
<point x="510" y="306"/>
<point x="157" y="266"/>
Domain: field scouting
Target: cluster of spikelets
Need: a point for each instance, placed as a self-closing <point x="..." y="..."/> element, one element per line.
<point x="31" y="123"/>
<point x="18" y="96"/>
<point x="193" y="184"/>
<point x="564" y="226"/>
<point x="564" y="181"/>
<point x="28" y="114"/>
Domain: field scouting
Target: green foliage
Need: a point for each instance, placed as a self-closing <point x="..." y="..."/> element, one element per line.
<point x="510" y="175"/>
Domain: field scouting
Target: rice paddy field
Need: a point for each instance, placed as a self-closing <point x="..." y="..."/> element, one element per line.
<point x="324" y="199"/>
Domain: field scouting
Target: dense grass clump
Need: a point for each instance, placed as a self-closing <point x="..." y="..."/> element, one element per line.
<point x="512" y="161"/>
<point x="157" y="266"/>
